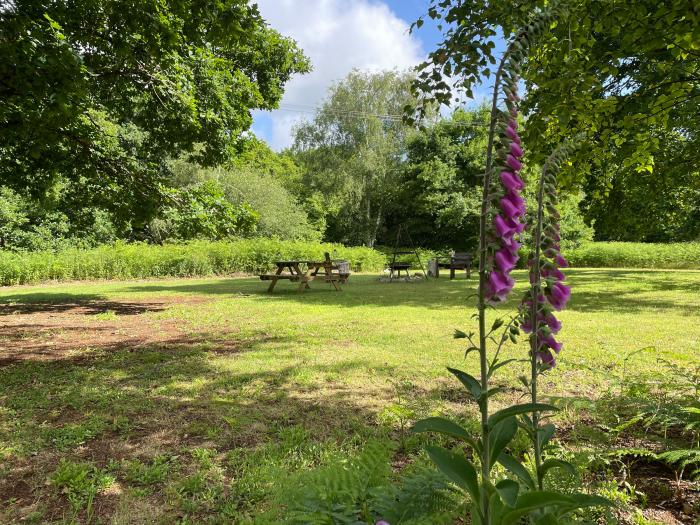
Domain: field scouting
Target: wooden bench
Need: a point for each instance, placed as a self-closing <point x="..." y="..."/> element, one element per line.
<point x="272" y="277"/>
<point x="457" y="261"/>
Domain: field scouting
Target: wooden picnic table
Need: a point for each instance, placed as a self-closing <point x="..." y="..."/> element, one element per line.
<point x="303" y="272"/>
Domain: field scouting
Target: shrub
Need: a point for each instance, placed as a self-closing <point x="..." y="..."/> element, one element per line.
<point x="636" y="255"/>
<point x="195" y="259"/>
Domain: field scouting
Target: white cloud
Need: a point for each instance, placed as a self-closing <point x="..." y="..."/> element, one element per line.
<point x="337" y="35"/>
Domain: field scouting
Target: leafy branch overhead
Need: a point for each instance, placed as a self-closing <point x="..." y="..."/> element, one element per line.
<point x="103" y="93"/>
<point x="622" y="76"/>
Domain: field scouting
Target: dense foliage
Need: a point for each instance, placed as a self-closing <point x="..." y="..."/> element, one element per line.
<point x="627" y="78"/>
<point x="636" y="255"/>
<point x="200" y="258"/>
<point x="352" y="153"/>
<point x="96" y="94"/>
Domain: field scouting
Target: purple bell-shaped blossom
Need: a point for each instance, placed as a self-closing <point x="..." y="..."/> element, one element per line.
<point x="552" y="343"/>
<point x="559" y="295"/>
<point x="505" y="260"/>
<point x="499" y="286"/>
<point x="516" y="150"/>
<point x="513" y="163"/>
<point x="511" y="182"/>
<point x="547" y="358"/>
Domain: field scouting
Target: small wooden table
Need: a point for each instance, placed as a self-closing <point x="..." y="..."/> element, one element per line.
<point x="303" y="277"/>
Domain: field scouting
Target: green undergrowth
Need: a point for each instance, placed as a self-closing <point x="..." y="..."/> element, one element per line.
<point x="195" y="259"/>
<point x="636" y="255"/>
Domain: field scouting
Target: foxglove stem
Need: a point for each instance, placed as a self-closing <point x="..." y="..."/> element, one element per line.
<point x="536" y="289"/>
<point x="483" y="281"/>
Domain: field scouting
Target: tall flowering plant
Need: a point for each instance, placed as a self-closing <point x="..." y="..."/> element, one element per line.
<point x="510" y="499"/>
<point x="547" y="295"/>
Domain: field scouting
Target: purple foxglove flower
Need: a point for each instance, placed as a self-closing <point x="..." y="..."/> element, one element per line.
<point x="558" y="295"/>
<point x="513" y="163"/>
<point x="561" y="261"/>
<point x="511" y="245"/>
<point x="547" y="358"/>
<point x="556" y="273"/>
<point x="505" y="260"/>
<point x="552" y="343"/>
<point x="518" y="226"/>
<point x="512" y="134"/>
<point x="511" y="181"/>
<point x="526" y="326"/>
<point x="499" y="286"/>
<point x="510" y="210"/>
<point x="516" y="150"/>
<point x="512" y="123"/>
<point x="382" y="522"/>
<point x="517" y="201"/>
<point x="553" y="323"/>
<point x="504" y="227"/>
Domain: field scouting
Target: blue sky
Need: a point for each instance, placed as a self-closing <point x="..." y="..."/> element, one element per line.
<point x="339" y="35"/>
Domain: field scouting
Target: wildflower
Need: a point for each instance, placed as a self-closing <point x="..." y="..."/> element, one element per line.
<point x="511" y="182"/>
<point x="516" y="150"/>
<point x="505" y="260"/>
<point x="513" y="163"/>
<point x="499" y="286"/>
<point x="558" y="295"/>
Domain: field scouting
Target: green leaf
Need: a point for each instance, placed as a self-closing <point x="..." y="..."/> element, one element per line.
<point x="443" y="426"/>
<point x="459" y="334"/>
<point x="519" y="409"/>
<point x="456" y="467"/>
<point x="472" y="385"/>
<point x="547" y="519"/>
<point x="500" y="436"/>
<point x="499" y="365"/>
<point x="535" y="500"/>
<point x="546" y="432"/>
<point x="513" y="466"/>
<point x="508" y="490"/>
<point x="551" y="463"/>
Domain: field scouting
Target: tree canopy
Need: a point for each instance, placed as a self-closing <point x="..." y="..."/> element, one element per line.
<point x="352" y="150"/>
<point x="619" y="71"/>
<point x="100" y="93"/>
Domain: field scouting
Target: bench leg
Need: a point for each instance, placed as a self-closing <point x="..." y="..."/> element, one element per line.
<point x="272" y="285"/>
<point x="452" y="273"/>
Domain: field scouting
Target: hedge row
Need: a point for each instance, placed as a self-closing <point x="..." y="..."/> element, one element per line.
<point x="201" y="258"/>
<point x="636" y="255"/>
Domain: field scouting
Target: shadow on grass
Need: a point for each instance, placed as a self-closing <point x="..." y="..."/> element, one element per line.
<point x="366" y="290"/>
<point x="87" y="304"/>
<point x="131" y="400"/>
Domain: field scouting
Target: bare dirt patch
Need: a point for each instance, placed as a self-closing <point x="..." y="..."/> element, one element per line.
<point x="56" y="331"/>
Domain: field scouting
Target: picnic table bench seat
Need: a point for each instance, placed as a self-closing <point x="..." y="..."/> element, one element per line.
<point x="272" y="276"/>
<point x="334" y="272"/>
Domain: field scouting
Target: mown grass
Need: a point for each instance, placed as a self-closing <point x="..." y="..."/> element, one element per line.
<point x="245" y="391"/>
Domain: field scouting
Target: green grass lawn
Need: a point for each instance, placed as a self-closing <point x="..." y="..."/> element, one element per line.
<point x="209" y="400"/>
